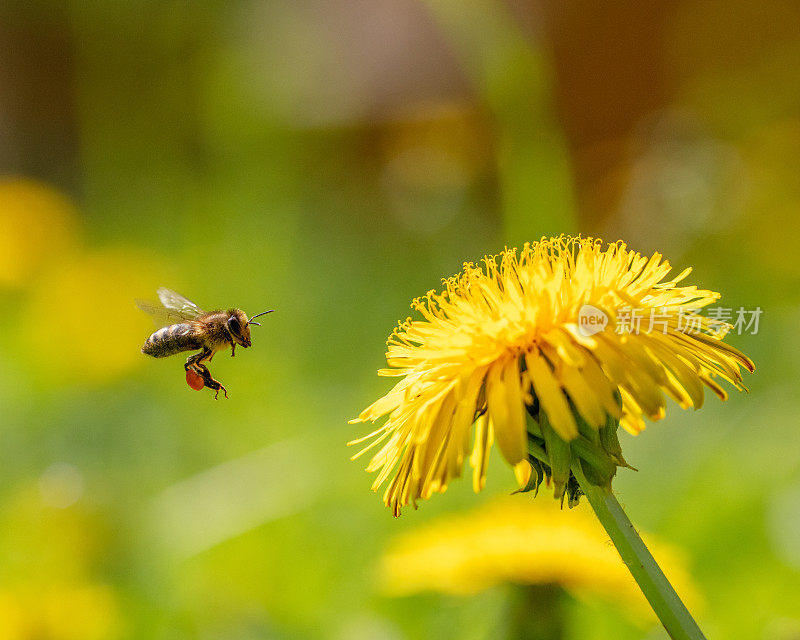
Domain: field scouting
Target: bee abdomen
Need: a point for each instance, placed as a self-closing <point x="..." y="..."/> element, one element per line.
<point x="171" y="340"/>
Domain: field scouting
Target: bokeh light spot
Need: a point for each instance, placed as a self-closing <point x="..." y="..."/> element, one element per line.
<point x="61" y="485"/>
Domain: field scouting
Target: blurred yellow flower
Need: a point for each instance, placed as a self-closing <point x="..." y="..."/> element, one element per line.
<point x="79" y="302"/>
<point x="509" y="338"/>
<point x="39" y="226"/>
<point x="49" y="589"/>
<point x="60" y="612"/>
<point x="94" y="331"/>
<point x="523" y="542"/>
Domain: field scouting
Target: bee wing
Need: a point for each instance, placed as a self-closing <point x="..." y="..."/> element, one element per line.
<point x="176" y="302"/>
<point x="172" y="308"/>
<point x="160" y="314"/>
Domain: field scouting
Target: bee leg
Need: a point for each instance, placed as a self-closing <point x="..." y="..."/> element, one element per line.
<point x="216" y="385"/>
<point x="224" y="390"/>
<point x="200" y="369"/>
<point x="197" y="359"/>
<point x="208" y="381"/>
<point x="233" y="349"/>
<point x="195" y="363"/>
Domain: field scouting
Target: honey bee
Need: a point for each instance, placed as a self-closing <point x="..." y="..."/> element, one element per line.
<point x="190" y="329"/>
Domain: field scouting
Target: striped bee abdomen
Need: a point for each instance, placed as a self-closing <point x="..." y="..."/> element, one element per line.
<point x="171" y="340"/>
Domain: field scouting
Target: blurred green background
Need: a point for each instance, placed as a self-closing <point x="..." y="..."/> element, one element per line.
<point x="332" y="160"/>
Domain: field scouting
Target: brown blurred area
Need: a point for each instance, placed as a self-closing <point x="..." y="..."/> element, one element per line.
<point x="38" y="126"/>
<point x="629" y="75"/>
<point x="609" y="60"/>
<point x="629" y="80"/>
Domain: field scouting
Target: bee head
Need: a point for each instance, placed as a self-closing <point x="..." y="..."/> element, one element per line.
<point x="239" y="326"/>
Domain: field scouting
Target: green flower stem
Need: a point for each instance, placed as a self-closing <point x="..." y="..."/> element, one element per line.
<point x="669" y="608"/>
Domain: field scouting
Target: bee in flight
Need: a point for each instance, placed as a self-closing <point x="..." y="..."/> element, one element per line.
<point x="190" y="329"/>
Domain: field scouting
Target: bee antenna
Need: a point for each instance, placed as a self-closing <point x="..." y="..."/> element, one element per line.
<point x="258" y="324"/>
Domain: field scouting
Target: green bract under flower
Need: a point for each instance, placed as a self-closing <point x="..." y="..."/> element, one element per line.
<point x="506" y="341"/>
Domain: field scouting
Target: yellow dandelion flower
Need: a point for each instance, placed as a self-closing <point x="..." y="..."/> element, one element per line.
<point x="524" y="543"/>
<point x="538" y="351"/>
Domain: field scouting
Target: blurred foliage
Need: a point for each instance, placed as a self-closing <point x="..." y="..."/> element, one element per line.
<point x="331" y="160"/>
